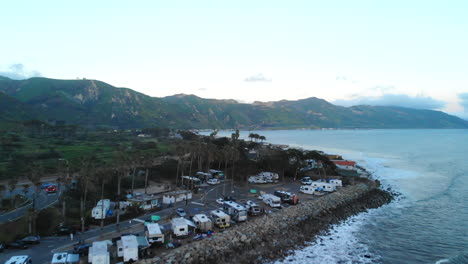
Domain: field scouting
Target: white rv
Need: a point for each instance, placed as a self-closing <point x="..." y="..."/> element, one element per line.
<point x="179" y="227"/>
<point x="127" y="248"/>
<point x="154" y="234"/>
<point x="203" y="223"/>
<point x="236" y="211"/>
<point x="252" y="208"/>
<point x="65" y="258"/>
<point x="271" y="200"/>
<point x="323" y="186"/>
<point x="257" y="179"/>
<point x="19" y="260"/>
<point x="176" y="196"/>
<point x="269" y="176"/>
<point x="98" y="253"/>
<point x="220" y="218"/>
<point x="336" y="182"/>
<point x="307" y="189"/>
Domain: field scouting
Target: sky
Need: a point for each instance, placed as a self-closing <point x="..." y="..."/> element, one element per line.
<point x="407" y="53"/>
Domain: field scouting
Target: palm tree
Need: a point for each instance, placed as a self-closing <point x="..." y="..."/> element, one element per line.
<point x="261" y="138"/>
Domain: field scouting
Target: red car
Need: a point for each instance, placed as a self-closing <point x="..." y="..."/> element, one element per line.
<point x="51" y="189"/>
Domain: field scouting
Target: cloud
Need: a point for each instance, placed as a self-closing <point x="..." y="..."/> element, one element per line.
<point x="202" y="89"/>
<point x="17" y="71"/>
<point x="257" y="78"/>
<point x="419" y="102"/>
<point x="464" y="101"/>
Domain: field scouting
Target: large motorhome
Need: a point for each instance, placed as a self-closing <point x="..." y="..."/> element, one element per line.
<point x="257" y="179"/>
<point x="101" y="210"/>
<point x="19" y="260"/>
<point x="127" y="248"/>
<point x="203" y="223"/>
<point x="220" y="218"/>
<point x="323" y="186"/>
<point x="307" y="189"/>
<point x="153" y="233"/>
<point x="98" y="253"/>
<point x="269" y="176"/>
<point x="271" y="200"/>
<point x="236" y="211"/>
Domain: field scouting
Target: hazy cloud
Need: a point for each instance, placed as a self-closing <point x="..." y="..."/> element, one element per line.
<point x="202" y="89"/>
<point x="464" y="101"/>
<point x="419" y="102"/>
<point x="17" y="71"/>
<point x="257" y="78"/>
<point x="341" y="78"/>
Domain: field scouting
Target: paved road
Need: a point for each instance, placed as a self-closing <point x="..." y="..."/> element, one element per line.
<point x="43" y="252"/>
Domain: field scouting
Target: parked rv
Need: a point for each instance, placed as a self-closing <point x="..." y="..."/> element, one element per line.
<point x="269" y="176"/>
<point x="236" y="211"/>
<point x="154" y="233"/>
<point x="180" y="227"/>
<point x="176" y="196"/>
<point x="336" y="182"/>
<point x="203" y="223"/>
<point x="98" y="253"/>
<point x="287" y="197"/>
<point x="256" y="179"/>
<point x="307" y="189"/>
<point x="65" y="258"/>
<point x="271" y="200"/>
<point x="127" y="248"/>
<point x="220" y="218"/>
<point x="252" y="208"/>
<point x="323" y="186"/>
<point x="102" y="209"/>
<point x="19" y="260"/>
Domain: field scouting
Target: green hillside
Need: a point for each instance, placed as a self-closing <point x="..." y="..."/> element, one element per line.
<point x="93" y="103"/>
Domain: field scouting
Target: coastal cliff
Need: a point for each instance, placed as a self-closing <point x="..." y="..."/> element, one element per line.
<point x="270" y="236"/>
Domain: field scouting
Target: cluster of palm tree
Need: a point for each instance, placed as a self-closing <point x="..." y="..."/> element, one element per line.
<point x="256" y="137"/>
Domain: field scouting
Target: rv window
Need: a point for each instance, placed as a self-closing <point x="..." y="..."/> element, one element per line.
<point x="120" y="249"/>
<point x="182" y="229"/>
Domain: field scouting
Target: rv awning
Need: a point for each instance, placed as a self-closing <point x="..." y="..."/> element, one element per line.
<point x="190" y="223"/>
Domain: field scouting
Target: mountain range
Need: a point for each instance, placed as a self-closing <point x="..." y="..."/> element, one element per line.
<point x="93" y="103"/>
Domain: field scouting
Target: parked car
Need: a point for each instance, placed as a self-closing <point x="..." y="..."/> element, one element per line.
<point x="31" y="240"/>
<point x="81" y="249"/>
<point x="65" y="231"/>
<point x="45" y="185"/>
<point x="181" y="212"/>
<point x="51" y="188"/>
<point x="213" y="181"/>
<point x="17" y="245"/>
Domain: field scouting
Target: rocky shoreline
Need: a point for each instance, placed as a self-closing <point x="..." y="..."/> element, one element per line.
<point x="272" y="236"/>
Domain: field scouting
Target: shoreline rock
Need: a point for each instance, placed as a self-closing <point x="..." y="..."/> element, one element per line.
<point x="273" y="236"/>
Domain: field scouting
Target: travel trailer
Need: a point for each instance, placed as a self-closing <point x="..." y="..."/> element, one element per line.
<point x="19" y="260"/>
<point x="220" y="218"/>
<point x="203" y="223"/>
<point x="176" y="196"/>
<point x="145" y="201"/>
<point x="98" y="253"/>
<point x="236" y="211"/>
<point x="252" y="208"/>
<point x="271" y="200"/>
<point x="307" y="189"/>
<point x="323" y="186"/>
<point x="102" y="209"/>
<point x="154" y="233"/>
<point x="257" y="179"/>
<point x="127" y="248"/>
<point x="180" y="227"/>
<point x="269" y="176"/>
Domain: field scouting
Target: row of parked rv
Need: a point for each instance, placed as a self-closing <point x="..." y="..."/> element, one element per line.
<point x="319" y="187"/>
<point x="264" y="177"/>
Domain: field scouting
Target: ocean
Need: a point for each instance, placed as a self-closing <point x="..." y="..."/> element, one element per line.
<point x="427" y="223"/>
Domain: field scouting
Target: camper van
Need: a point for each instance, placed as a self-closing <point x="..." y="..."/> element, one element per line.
<point x="323" y="186"/>
<point x="287" y="197"/>
<point x="220" y="218"/>
<point x="271" y="200"/>
<point x="180" y="227"/>
<point x="19" y="260"/>
<point x="307" y="189"/>
<point x="203" y="223"/>
<point x="153" y="233"/>
<point x="127" y="248"/>
<point x="98" y="253"/>
<point x="336" y="182"/>
<point x="236" y="211"/>
<point x="65" y="258"/>
<point x="252" y="208"/>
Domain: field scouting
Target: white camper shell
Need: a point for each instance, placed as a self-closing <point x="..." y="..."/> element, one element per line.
<point x="220" y="218"/>
<point x="236" y="211"/>
<point x="203" y="223"/>
<point x="154" y="234"/>
<point x="336" y="182"/>
<point x="180" y="227"/>
<point x="271" y="200"/>
<point x="323" y="186"/>
<point x="127" y="248"/>
<point x="19" y="260"/>
<point x="98" y="253"/>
